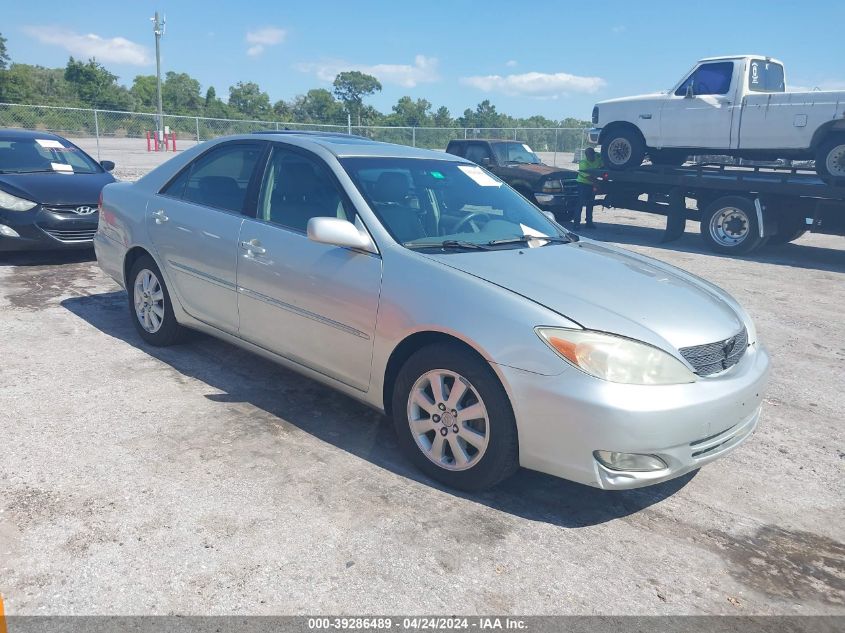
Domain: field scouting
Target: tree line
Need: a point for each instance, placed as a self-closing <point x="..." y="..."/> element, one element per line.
<point x="89" y="84"/>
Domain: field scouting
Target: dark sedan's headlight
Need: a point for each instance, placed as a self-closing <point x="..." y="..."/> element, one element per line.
<point x="13" y="203"/>
<point x="552" y="186"/>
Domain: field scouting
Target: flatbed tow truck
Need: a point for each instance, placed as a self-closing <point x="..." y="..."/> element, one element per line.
<point x="740" y="208"/>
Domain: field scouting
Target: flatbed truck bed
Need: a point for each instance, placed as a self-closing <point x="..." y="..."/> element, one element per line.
<point x="740" y="208"/>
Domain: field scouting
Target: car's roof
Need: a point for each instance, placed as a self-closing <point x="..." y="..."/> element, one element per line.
<point x="345" y="145"/>
<point x="487" y="140"/>
<point x="17" y="133"/>
<point x="729" y="57"/>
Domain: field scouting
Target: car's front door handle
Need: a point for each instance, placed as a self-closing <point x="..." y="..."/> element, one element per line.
<point x="253" y="247"/>
<point x="160" y="216"/>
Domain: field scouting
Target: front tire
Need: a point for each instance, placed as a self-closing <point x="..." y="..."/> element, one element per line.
<point x="453" y="418"/>
<point x="729" y="226"/>
<point x="622" y="148"/>
<point x="150" y="306"/>
<point x="830" y="157"/>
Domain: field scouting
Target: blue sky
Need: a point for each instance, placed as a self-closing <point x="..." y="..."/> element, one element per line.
<point x="550" y="58"/>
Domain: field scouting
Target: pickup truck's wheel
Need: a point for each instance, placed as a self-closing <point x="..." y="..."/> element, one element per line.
<point x="453" y="418"/>
<point x="729" y="225"/>
<point x="622" y="148"/>
<point x="668" y="157"/>
<point x="150" y="305"/>
<point x="830" y="157"/>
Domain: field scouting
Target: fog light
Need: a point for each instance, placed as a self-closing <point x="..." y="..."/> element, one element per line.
<point x="631" y="462"/>
<point x="543" y="198"/>
<point x="8" y="231"/>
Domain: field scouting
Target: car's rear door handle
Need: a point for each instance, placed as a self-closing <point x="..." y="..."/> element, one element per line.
<point x="160" y="216"/>
<point x="253" y="247"/>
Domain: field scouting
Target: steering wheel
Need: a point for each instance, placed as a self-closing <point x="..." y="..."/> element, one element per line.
<point x="467" y="219"/>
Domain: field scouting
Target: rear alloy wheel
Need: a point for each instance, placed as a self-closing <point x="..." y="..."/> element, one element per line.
<point x="453" y="418"/>
<point x="830" y="158"/>
<point x="622" y="148"/>
<point x="149" y="304"/>
<point x="729" y="225"/>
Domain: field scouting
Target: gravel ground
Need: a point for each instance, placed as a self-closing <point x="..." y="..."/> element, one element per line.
<point x="201" y="479"/>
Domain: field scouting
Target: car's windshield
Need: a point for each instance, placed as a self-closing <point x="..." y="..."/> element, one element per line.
<point x="32" y="155"/>
<point x="515" y="153"/>
<point x="426" y="203"/>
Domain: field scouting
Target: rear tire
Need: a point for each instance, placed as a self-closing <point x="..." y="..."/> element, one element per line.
<point x="150" y="306"/>
<point x="479" y="422"/>
<point x="830" y="158"/>
<point x="622" y="148"/>
<point x="729" y="226"/>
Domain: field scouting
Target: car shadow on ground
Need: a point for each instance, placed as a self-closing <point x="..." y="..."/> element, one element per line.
<point x="244" y="378"/>
<point x="795" y="255"/>
<point x="47" y="258"/>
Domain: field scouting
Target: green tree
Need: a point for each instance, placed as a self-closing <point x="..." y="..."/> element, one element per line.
<point x="411" y="113"/>
<point x="282" y="110"/>
<point x="248" y="99"/>
<point x="317" y="106"/>
<point x="23" y="83"/>
<point x="4" y="54"/>
<point x="210" y="96"/>
<point x="442" y="118"/>
<point x="144" y="91"/>
<point x="351" y="87"/>
<point x="96" y="86"/>
<point x="180" y="94"/>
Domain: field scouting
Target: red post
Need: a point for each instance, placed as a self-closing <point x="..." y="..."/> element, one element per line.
<point x="149" y="144"/>
<point x="173" y="141"/>
<point x="156" y="141"/>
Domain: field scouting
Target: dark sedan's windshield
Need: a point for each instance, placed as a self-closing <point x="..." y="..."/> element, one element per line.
<point x="515" y="153"/>
<point x="434" y="203"/>
<point x="32" y="155"/>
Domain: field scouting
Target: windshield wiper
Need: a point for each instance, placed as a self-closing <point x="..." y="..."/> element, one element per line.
<point x="453" y="244"/>
<point x="557" y="239"/>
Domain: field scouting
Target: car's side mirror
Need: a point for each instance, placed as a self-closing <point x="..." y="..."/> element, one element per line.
<point x="339" y="232"/>
<point x="690" y="90"/>
<point x="108" y="165"/>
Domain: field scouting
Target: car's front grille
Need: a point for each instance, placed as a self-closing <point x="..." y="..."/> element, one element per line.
<point x="75" y="235"/>
<point x="70" y="209"/>
<point x="713" y="358"/>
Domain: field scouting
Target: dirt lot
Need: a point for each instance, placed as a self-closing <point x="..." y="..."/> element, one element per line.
<point x="202" y="479"/>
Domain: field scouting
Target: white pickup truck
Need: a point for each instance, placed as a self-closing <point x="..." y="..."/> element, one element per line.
<point x="736" y="106"/>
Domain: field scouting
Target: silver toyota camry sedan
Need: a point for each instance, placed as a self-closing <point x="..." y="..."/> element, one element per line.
<point x="424" y="286"/>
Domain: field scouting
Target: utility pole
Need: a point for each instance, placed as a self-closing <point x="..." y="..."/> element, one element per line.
<point x="158" y="29"/>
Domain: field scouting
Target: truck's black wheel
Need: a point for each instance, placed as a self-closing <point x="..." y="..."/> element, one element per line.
<point x="667" y="157"/>
<point x="622" y="148"/>
<point x="729" y="226"/>
<point x="830" y="157"/>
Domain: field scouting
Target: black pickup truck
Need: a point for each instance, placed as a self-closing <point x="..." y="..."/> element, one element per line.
<point x="550" y="188"/>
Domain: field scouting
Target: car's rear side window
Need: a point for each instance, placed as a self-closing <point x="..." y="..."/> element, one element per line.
<point x="219" y="178"/>
<point x="766" y="76"/>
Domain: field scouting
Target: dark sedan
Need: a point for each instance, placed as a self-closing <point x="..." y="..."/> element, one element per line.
<point x="49" y="191"/>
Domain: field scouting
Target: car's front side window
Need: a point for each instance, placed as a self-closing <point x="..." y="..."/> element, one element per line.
<point x="423" y="202"/>
<point x="295" y="189"/>
<point x="709" y="79"/>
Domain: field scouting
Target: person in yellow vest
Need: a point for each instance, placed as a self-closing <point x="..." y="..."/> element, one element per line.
<point x="587" y="194"/>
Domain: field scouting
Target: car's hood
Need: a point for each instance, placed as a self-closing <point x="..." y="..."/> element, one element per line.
<point x="56" y="188"/>
<point x="609" y="289"/>
<point x="645" y="97"/>
<point x="543" y="170"/>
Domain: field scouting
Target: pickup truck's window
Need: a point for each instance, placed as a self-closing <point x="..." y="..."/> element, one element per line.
<point x="765" y="76"/>
<point x="220" y="177"/>
<point x="423" y="203"/>
<point x="515" y="153"/>
<point x="477" y="152"/>
<point x="296" y="189"/>
<point x="709" y="79"/>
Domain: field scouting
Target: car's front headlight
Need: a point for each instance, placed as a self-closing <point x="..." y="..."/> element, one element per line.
<point x="552" y="186"/>
<point x="616" y="359"/>
<point x="13" y="203"/>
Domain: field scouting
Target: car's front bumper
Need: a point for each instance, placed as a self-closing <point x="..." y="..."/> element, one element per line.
<point x="563" y="419"/>
<point x="47" y="228"/>
<point x="593" y="135"/>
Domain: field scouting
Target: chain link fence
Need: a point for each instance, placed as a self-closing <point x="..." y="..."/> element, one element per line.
<point x="106" y="132"/>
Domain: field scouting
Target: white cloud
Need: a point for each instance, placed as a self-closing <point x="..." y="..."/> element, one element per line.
<point x="117" y="50"/>
<point x="423" y="70"/>
<point x="511" y="63"/>
<point x="541" y="85"/>
<point x="262" y="38"/>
